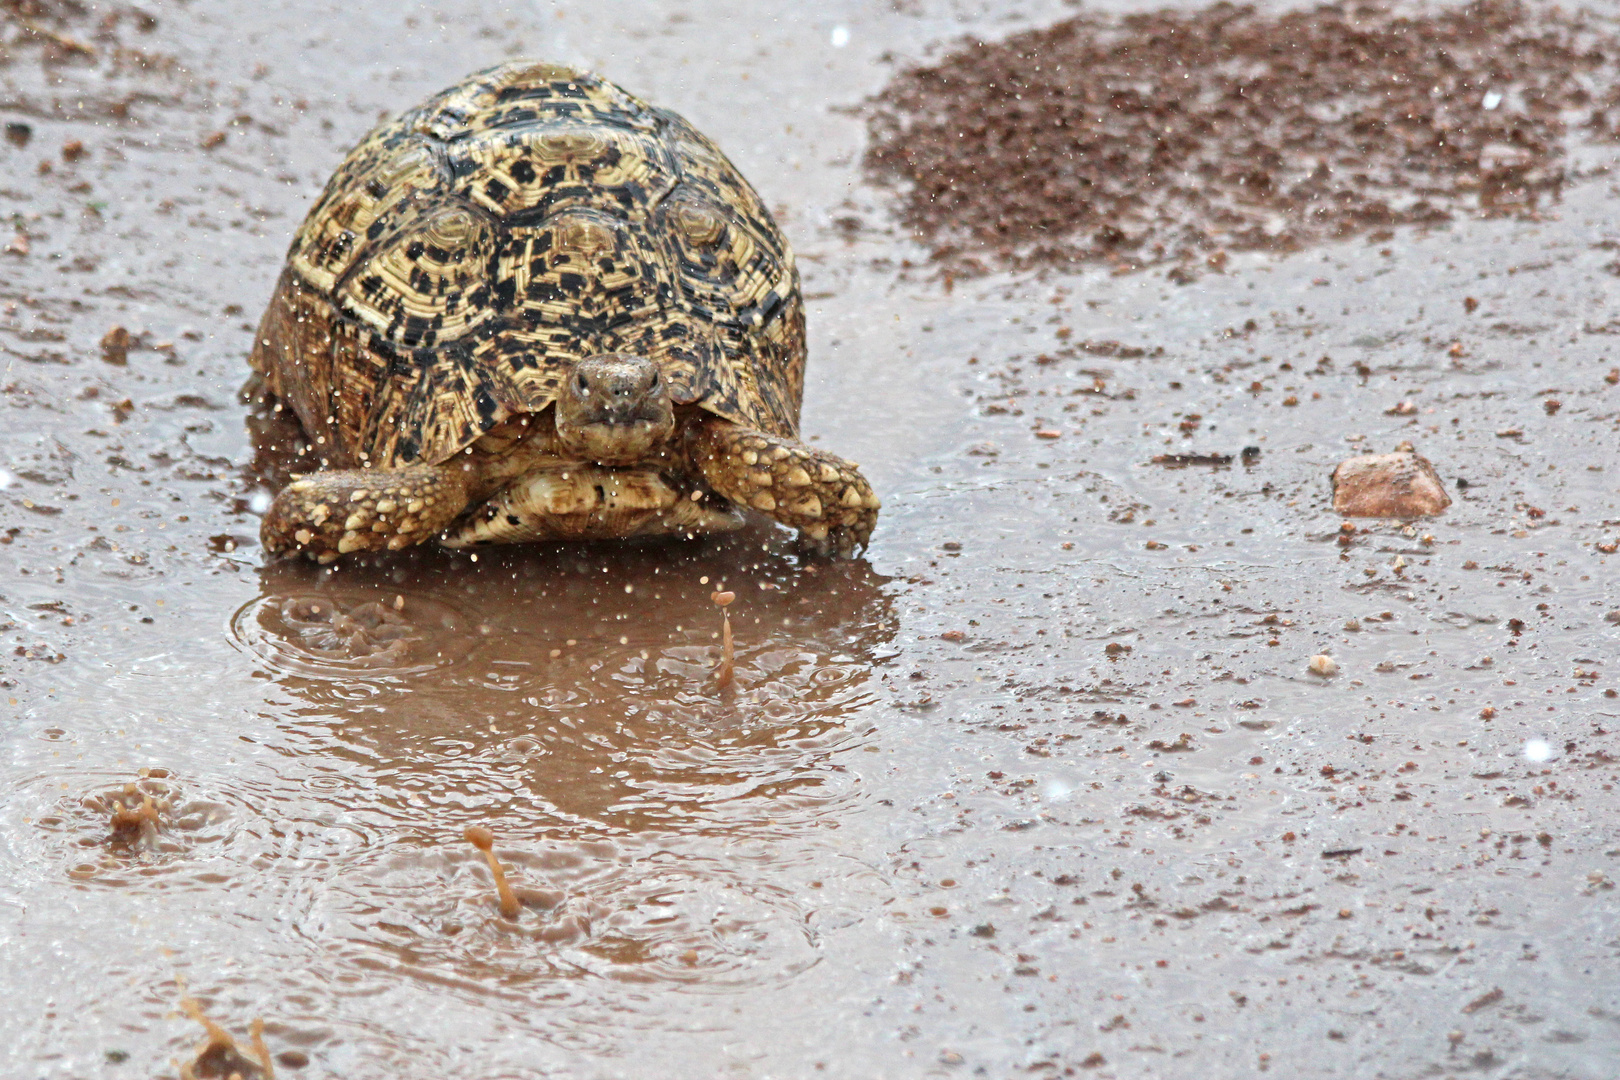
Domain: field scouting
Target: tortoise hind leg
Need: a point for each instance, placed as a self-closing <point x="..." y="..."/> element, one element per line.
<point x="821" y="495"/>
<point x="327" y="514"/>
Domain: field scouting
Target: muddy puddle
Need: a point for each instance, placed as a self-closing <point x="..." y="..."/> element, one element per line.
<point x="1045" y="785"/>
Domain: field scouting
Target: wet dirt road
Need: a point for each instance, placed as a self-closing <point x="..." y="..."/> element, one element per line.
<point x="1041" y="787"/>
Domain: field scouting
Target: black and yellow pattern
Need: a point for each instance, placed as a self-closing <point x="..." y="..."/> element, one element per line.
<point x="466" y="254"/>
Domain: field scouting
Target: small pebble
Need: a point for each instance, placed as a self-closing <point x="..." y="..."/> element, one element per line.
<point x="1401" y="484"/>
<point x="1324" y="665"/>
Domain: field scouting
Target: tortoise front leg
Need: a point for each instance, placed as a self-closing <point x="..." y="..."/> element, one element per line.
<point x="821" y="495"/>
<point x="327" y="514"/>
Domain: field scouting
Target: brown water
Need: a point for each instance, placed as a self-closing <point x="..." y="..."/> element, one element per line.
<point x="938" y="826"/>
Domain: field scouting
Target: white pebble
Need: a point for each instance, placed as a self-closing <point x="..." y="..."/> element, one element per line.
<point x="1324" y="665"/>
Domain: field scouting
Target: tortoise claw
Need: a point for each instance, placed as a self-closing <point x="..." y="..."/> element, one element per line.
<point x="821" y="495"/>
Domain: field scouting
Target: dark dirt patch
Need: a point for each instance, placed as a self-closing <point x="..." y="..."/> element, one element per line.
<point x="1173" y="136"/>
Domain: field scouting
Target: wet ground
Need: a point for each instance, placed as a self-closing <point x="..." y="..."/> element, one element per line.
<point x="1043" y="786"/>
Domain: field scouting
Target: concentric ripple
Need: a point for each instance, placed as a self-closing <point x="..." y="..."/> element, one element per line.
<point x="338" y="634"/>
<point x="590" y="909"/>
<point x="120" y="831"/>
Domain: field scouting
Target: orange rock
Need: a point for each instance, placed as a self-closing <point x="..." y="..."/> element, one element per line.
<point x="1399" y="485"/>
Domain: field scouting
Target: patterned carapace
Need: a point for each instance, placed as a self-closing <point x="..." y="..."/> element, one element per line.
<point x="465" y="255"/>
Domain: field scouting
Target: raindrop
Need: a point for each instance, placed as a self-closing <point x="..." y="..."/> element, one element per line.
<point x="840" y="37"/>
<point x="1537" y="749"/>
<point x="1054" y="790"/>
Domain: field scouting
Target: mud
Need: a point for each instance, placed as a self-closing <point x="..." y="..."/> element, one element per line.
<point x="1052" y="783"/>
<point x="1179" y="135"/>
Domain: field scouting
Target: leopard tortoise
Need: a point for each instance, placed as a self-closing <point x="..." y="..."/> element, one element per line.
<point x="537" y="308"/>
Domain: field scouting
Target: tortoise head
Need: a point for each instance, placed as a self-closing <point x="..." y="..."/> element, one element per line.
<point x="614" y="409"/>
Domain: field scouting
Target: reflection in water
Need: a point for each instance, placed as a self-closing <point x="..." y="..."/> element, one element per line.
<point x="659" y="829"/>
<point x="576" y="683"/>
<point x="325" y="634"/>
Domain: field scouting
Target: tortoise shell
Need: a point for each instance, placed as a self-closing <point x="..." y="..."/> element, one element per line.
<point x="467" y="253"/>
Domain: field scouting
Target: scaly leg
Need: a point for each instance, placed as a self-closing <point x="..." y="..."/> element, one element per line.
<point x="821" y="495"/>
<point x="327" y="514"/>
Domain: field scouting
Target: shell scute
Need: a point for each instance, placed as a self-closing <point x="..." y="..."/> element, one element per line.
<point x="428" y="282"/>
<point x="544" y="167"/>
<point x="361" y="205"/>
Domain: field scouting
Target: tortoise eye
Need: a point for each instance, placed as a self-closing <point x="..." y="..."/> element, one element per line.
<point x="583" y="385"/>
<point x="654" y="380"/>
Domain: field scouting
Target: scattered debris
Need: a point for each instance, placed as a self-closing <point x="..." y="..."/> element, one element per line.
<point x="1488" y="998"/>
<point x="1181" y="461"/>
